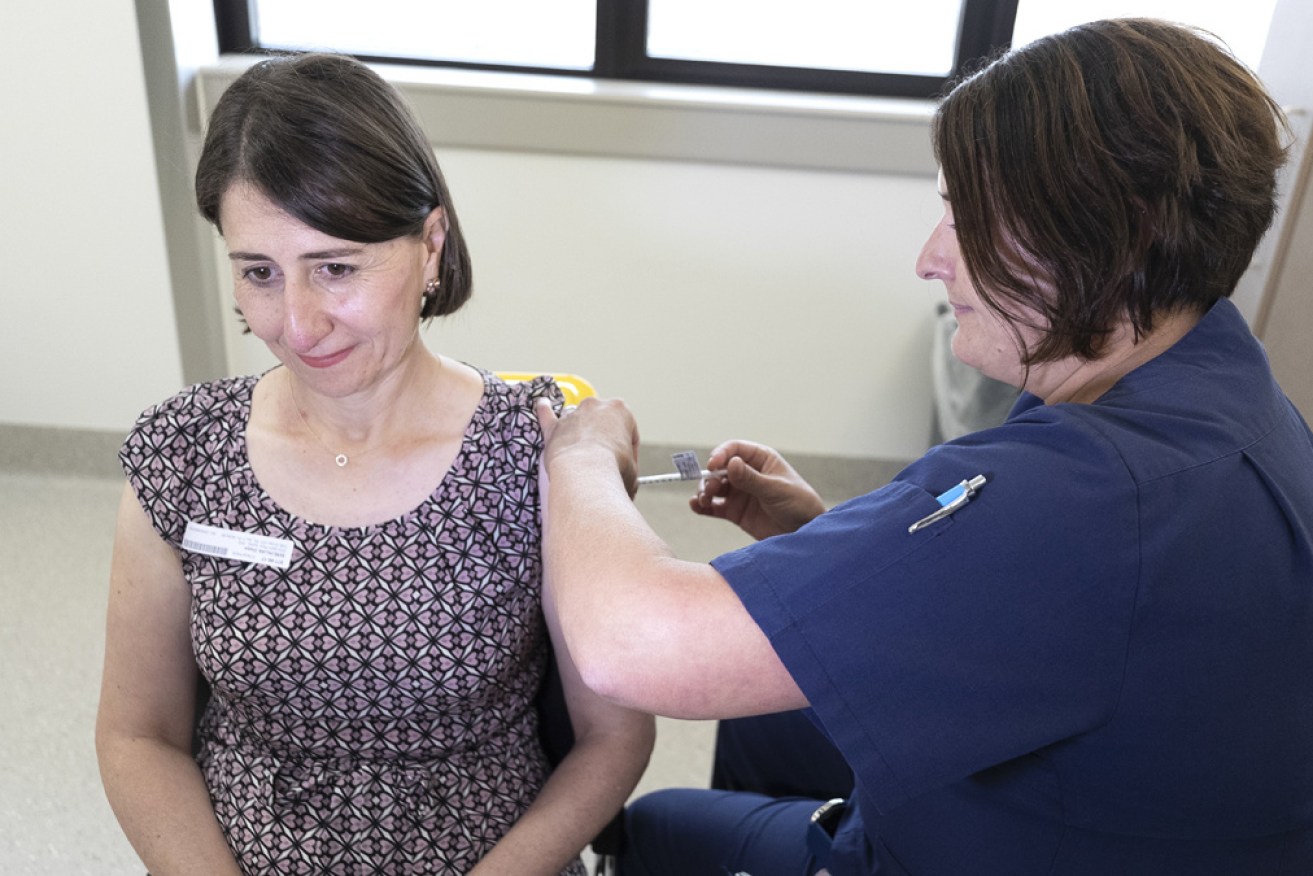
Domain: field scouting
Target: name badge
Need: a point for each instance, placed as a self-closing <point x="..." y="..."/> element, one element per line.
<point x="241" y="547"/>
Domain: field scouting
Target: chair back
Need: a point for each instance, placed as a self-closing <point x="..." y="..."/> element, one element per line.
<point x="573" y="387"/>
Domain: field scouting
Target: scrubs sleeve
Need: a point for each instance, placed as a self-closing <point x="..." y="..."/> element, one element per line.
<point x="1003" y="628"/>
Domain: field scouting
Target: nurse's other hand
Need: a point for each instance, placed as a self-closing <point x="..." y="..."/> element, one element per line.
<point x="760" y="492"/>
<point x="598" y="428"/>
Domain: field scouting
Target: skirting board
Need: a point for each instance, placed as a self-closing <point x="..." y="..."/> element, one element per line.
<point x="58" y="451"/>
<point x="87" y="453"/>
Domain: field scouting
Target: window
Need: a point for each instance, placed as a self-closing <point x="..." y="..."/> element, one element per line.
<point x="834" y="34"/>
<point x="889" y="48"/>
<point x="872" y="47"/>
<point x="542" y="33"/>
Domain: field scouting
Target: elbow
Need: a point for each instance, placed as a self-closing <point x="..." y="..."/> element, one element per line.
<point x="615" y="668"/>
<point x="605" y="658"/>
<point x="113" y="759"/>
<point x="628" y="671"/>
<point x="122" y="748"/>
<point x="601" y="672"/>
<point x="106" y="742"/>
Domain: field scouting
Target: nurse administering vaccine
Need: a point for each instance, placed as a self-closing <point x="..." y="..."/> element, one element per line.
<point x="1077" y="643"/>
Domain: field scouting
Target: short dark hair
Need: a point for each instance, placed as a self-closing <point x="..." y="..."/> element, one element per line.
<point x="1131" y="162"/>
<point x="331" y="143"/>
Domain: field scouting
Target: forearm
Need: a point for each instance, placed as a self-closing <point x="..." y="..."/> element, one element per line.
<point x="581" y="796"/>
<point x="159" y="797"/>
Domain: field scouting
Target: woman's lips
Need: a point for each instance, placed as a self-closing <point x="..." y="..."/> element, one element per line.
<point x="326" y="361"/>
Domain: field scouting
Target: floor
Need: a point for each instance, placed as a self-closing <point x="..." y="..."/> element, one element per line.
<point x="55" y="542"/>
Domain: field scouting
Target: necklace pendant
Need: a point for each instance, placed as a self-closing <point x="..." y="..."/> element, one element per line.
<point x="341" y="460"/>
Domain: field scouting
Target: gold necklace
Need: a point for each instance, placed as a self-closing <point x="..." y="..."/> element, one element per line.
<point x="340" y="458"/>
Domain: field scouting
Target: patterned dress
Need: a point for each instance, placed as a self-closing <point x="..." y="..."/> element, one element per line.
<point x="372" y="707"/>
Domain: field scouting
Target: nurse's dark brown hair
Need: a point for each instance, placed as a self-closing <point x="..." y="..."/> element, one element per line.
<point x="332" y="144"/>
<point x="1120" y="169"/>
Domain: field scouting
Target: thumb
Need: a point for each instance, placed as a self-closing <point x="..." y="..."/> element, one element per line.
<point x="547" y="418"/>
<point x="743" y="476"/>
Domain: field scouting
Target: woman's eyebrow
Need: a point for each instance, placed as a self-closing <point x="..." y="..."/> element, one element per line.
<point x="309" y="256"/>
<point x="333" y="253"/>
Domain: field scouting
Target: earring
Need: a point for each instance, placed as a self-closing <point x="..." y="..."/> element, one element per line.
<point x="430" y="289"/>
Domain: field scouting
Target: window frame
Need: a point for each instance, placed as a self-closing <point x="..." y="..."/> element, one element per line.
<point x="985" y="29"/>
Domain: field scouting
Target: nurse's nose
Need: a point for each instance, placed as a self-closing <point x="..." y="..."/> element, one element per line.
<point x="935" y="262"/>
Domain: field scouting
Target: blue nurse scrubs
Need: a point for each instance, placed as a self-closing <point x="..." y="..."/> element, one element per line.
<point x="1102" y="663"/>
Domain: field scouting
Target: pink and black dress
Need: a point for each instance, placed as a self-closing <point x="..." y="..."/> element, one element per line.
<point x="372" y="707"/>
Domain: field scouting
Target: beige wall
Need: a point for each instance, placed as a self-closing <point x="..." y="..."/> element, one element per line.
<point x="1285" y="318"/>
<point x="86" y="319"/>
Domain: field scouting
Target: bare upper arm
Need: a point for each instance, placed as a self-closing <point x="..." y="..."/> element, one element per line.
<point x="149" y="682"/>
<point x="680" y="643"/>
<point x="720" y="662"/>
<point x="589" y="712"/>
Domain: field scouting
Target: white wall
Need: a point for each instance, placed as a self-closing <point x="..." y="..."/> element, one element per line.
<point x="88" y="329"/>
